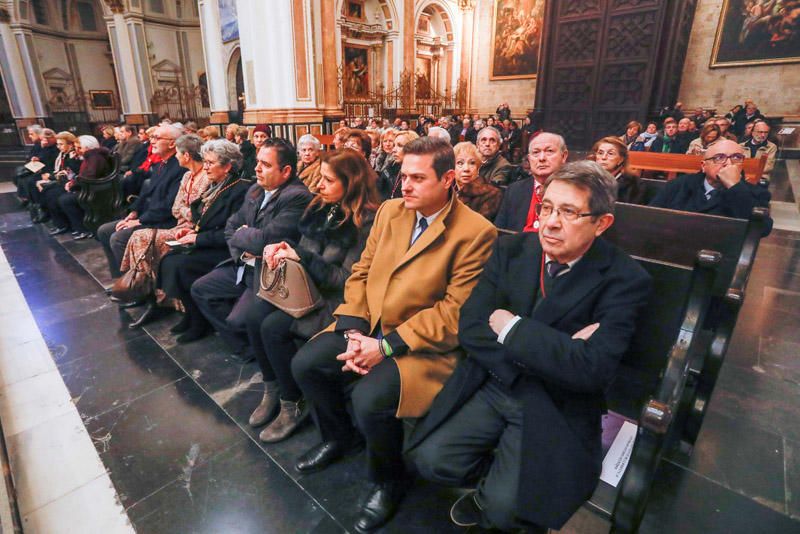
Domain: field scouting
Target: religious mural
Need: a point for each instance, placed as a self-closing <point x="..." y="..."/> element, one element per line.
<point x="516" y="38"/>
<point x="356" y="71"/>
<point x="753" y="32"/>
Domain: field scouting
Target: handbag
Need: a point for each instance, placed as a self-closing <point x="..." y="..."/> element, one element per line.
<point x="137" y="283"/>
<point x="289" y="288"/>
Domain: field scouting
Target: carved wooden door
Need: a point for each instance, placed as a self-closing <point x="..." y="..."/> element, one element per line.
<point x="601" y="58"/>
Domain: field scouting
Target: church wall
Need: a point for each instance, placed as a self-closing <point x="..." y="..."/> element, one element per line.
<point x="488" y="94"/>
<point x="95" y="67"/>
<point x="774" y="88"/>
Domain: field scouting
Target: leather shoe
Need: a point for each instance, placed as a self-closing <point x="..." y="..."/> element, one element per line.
<point x="319" y="457"/>
<point x="242" y="357"/>
<point x="191" y="335"/>
<point x="132" y="304"/>
<point x="380" y="505"/>
<point x="183" y="325"/>
<point x="150" y="311"/>
<point x="59" y="231"/>
<point x="83" y="235"/>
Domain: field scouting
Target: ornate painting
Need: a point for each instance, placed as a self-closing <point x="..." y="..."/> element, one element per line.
<point x="102" y="99"/>
<point x="757" y="32"/>
<point x="228" y="20"/>
<point x="517" y="27"/>
<point x="422" y="72"/>
<point x="356" y="71"/>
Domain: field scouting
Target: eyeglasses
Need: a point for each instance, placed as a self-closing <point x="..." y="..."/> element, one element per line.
<point x="209" y="163"/>
<point x="159" y="138"/>
<point x="604" y="154"/>
<point x="719" y="159"/>
<point x="566" y="214"/>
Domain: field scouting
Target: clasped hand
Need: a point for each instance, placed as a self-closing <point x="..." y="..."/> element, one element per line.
<point x="186" y="236"/>
<point x="362" y="354"/>
<point x="274" y="253"/>
<point x="500" y="318"/>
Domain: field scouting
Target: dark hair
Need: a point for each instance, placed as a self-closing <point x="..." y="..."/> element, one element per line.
<point x="444" y="159"/>
<point x="636" y="124"/>
<point x="128" y="128"/>
<point x="359" y="181"/>
<point x="287" y="153"/>
<point x="589" y="176"/>
<point x="364" y="139"/>
<point x="707" y="129"/>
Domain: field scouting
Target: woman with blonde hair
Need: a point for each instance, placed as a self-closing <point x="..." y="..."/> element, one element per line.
<point x="612" y="155"/>
<point x="471" y="189"/>
<point x="385" y="149"/>
<point x="389" y="180"/>
<point x="334" y="231"/>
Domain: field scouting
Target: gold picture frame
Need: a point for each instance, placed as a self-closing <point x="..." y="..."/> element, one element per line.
<point x="756" y="36"/>
<point x="516" y="39"/>
<point x="102" y="99"/>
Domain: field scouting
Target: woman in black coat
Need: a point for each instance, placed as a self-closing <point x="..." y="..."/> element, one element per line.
<point x="612" y="155"/>
<point x="50" y="186"/>
<point x="204" y="246"/>
<point x="334" y="232"/>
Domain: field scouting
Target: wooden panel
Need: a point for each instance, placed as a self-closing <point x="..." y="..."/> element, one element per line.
<point x="673" y="164"/>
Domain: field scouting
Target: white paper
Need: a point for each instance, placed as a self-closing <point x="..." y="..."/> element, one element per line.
<point x="786" y="131"/>
<point x="617" y="457"/>
<point x="34" y="166"/>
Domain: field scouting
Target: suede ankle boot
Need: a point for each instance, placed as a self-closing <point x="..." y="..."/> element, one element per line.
<point x="268" y="407"/>
<point x="291" y="416"/>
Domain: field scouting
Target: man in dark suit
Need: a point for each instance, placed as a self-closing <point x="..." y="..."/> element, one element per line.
<point x="269" y="214"/>
<point x="544" y="331"/>
<point x="153" y="208"/>
<point x="718" y="189"/>
<point x="547" y="152"/>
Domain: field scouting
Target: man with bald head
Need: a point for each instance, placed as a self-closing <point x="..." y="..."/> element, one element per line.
<point x="547" y="152"/>
<point x="718" y="189"/>
<point x="153" y="207"/>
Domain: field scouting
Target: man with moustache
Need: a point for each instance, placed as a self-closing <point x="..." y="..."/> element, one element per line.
<point x="547" y="152"/>
<point x="544" y="331"/>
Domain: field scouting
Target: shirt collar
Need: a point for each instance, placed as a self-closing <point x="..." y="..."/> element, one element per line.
<point x="570" y="264"/>
<point x="707" y="187"/>
<point x="429" y="218"/>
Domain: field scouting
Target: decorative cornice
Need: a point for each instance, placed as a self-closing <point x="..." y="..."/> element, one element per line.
<point x="116" y="6"/>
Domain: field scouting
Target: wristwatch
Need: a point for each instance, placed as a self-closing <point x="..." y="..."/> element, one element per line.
<point x="348" y="332"/>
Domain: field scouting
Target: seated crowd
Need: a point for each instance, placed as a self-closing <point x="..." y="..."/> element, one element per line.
<point x="424" y="313"/>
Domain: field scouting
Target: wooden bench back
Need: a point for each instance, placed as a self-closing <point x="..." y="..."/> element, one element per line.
<point x="672" y="164"/>
<point x="676" y="237"/>
<point x="326" y="140"/>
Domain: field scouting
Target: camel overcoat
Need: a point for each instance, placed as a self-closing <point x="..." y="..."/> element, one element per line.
<point x="417" y="292"/>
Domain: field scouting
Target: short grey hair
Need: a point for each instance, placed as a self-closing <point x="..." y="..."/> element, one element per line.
<point x="438" y="131"/>
<point x="589" y="176"/>
<point x="309" y="139"/>
<point x="88" y="142"/>
<point x="190" y="144"/>
<point x="35" y="128"/>
<point x="226" y="151"/>
<point x="173" y="131"/>
<point x="489" y="129"/>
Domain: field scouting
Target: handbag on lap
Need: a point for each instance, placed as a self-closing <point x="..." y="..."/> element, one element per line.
<point x="137" y="284"/>
<point x="289" y="288"/>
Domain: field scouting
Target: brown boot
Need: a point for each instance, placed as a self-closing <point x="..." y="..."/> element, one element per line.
<point x="292" y="414"/>
<point x="268" y="407"/>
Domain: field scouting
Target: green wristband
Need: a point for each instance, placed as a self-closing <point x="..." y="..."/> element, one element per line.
<point x="387" y="349"/>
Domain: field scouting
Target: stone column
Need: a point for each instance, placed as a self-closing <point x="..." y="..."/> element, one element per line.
<point x="278" y="75"/>
<point x="23" y="93"/>
<point x="408" y="51"/>
<point x="331" y="109"/>
<point x="468" y="19"/>
<point x="131" y="65"/>
<point x="216" y="74"/>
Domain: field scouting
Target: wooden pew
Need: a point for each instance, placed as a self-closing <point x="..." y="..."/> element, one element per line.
<point x="673" y="164"/>
<point x="675" y="237"/>
<point x="326" y="140"/>
<point x="651" y="188"/>
<point x="650" y="384"/>
<point x="101" y="198"/>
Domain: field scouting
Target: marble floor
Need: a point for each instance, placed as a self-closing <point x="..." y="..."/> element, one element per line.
<point x="169" y="422"/>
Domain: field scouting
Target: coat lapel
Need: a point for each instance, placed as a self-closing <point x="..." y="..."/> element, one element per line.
<point x="523" y="275"/>
<point x="568" y="290"/>
<point x="425" y="240"/>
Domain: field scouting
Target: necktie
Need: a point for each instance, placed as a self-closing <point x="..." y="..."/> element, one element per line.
<point x="553" y="268"/>
<point x="423" y="225"/>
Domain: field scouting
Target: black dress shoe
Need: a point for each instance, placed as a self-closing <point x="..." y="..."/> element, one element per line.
<point x="83" y="235"/>
<point x="74" y="233"/>
<point x="380" y="505"/>
<point x="150" y="312"/>
<point x="108" y="290"/>
<point x="192" y="335"/>
<point x="132" y="304"/>
<point x="319" y="457"/>
<point x="59" y="231"/>
<point x="182" y="326"/>
<point x="242" y="357"/>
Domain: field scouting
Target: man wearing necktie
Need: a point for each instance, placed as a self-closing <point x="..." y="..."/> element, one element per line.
<point x="395" y="339"/>
<point x="544" y="330"/>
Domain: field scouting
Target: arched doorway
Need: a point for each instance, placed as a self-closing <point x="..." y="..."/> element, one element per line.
<point x="236" y="96"/>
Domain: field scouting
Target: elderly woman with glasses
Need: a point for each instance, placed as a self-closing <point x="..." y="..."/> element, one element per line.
<point x="194" y="184"/>
<point x="203" y="244"/>
<point x="612" y="154"/>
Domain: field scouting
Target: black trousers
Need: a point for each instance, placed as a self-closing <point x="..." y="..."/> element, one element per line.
<point x="374" y="396"/>
<point x="177" y="272"/>
<point x="480" y="444"/>
<point x="273" y="344"/>
<point x="224" y="303"/>
<point x="69" y="212"/>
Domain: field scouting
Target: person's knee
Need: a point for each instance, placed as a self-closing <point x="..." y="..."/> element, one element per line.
<point x="199" y="290"/>
<point x="306" y="363"/>
<point x="432" y="462"/>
